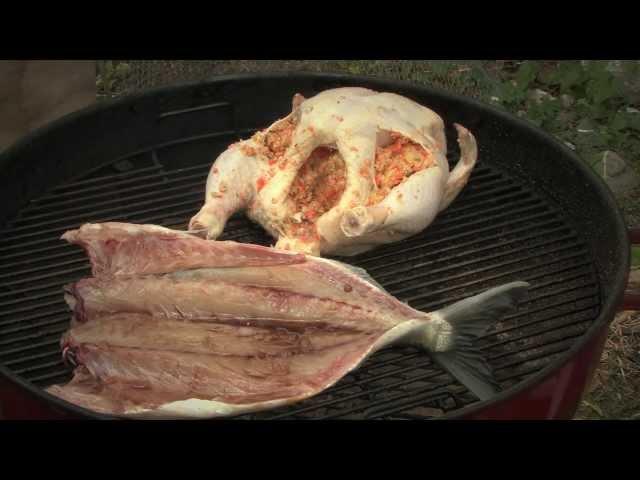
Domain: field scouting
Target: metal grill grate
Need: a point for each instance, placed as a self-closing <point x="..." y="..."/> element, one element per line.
<point x="498" y="230"/>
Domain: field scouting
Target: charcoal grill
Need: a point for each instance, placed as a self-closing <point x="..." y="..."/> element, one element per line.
<point x="531" y="211"/>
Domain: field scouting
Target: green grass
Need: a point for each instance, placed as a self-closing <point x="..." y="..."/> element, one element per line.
<point x="635" y="256"/>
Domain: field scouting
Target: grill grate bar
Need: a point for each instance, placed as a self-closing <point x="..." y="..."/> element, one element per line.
<point x="59" y="190"/>
<point x="457" y="208"/>
<point x="524" y="373"/>
<point x="63" y="214"/>
<point x="58" y="275"/>
<point x="78" y="258"/>
<point x="34" y="336"/>
<point x="524" y="336"/>
<point x="47" y="323"/>
<point x="587" y="295"/>
<point x="408" y="403"/>
<point x="424" y="362"/>
<point x="159" y="146"/>
<point x="490" y="278"/>
<point x="426" y="376"/>
<point x="121" y="217"/>
<point x="539" y="232"/>
<point x="22" y="371"/>
<point x="80" y="218"/>
<point x="33" y="346"/>
<point x="129" y="217"/>
<point x="28" y="308"/>
<point x="481" y="221"/>
<point x="477" y="211"/>
<point x="45" y="378"/>
<point x="402" y="248"/>
<point x="549" y="348"/>
<point x="31" y="358"/>
<point x="502" y="188"/>
<point x="81" y="259"/>
<point x="437" y="390"/>
<point x="456" y="266"/>
<point x="37" y="316"/>
<point x="53" y="292"/>
<point x="10" y="268"/>
<point x="96" y="191"/>
<point x="489" y="187"/>
<point x="440" y="303"/>
<point x="479" y="270"/>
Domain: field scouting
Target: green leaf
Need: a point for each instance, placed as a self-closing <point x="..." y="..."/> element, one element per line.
<point x="478" y="74"/>
<point x="123" y="69"/>
<point x="605" y="136"/>
<point x="631" y="68"/>
<point x="600" y="90"/>
<point x="593" y="160"/>
<point x="635" y="257"/>
<point x="602" y="84"/>
<point x="600" y="111"/>
<point x="596" y="67"/>
<point x="568" y="75"/>
<point x="620" y="121"/>
<point x="634" y="121"/>
<point x="440" y="67"/>
<point x="354" y="69"/>
<point x="527" y="73"/>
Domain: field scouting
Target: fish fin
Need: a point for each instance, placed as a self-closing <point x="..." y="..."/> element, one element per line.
<point x="456" y="327"/>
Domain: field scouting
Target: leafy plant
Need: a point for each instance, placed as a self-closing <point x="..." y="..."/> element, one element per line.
<point x="596" y="118"/>
<point x="110" y="75"/>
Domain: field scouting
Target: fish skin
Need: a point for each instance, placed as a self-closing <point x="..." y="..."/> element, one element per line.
<point x="227" y="339"/>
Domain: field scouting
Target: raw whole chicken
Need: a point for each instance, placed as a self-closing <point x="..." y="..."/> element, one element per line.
<point x="345" y="171"/>
<point x="175" y="326"/>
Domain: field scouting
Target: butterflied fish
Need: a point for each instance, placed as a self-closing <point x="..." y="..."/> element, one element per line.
<point x="174" y="326"/>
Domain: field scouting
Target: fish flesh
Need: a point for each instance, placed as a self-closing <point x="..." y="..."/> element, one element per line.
<point x="215" y="328"/>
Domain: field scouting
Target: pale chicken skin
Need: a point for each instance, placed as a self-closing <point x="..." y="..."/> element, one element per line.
<point x="347" y="170"/>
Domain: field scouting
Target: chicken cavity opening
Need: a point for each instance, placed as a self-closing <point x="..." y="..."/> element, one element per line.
<point x="317" y="188"/>
<point x="397" y="158"/>
<point x="275" y="142"/>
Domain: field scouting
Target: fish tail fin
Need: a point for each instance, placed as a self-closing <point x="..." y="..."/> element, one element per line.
<point x="450" y="336"/>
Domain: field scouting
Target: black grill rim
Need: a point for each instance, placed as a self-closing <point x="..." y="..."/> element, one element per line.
<point x="608" y="307"/>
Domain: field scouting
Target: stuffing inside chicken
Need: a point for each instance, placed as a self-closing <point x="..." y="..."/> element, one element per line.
<point x="347" y="170"/>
